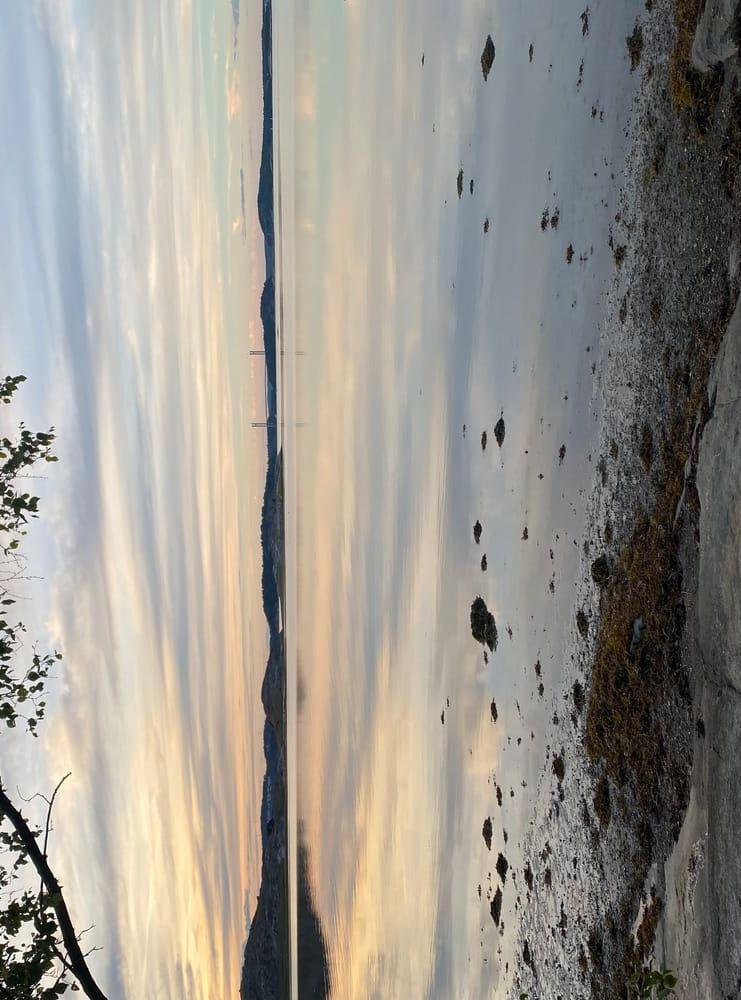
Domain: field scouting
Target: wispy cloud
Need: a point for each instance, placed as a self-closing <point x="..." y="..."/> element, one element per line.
<point x="116" y="276"/>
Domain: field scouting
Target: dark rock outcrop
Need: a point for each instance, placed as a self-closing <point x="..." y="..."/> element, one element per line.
<point x="487" y="57"/>
<point x="496" y="906"/>
<point x="601" y="570"/>
<point x="486" y="832"/>
<point x="499" y="431"/>
<point x="483" y="626"/>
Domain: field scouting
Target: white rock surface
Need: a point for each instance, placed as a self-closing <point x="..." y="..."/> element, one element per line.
<point x="714" y="40"/>
<point x="700" y="935"/>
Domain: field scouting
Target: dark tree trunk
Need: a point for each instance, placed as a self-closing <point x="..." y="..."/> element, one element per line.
<point x="75" y="961"/>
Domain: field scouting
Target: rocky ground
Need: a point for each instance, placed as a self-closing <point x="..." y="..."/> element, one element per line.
<point x="634" y="860"/>
<point x="699" y="935"/>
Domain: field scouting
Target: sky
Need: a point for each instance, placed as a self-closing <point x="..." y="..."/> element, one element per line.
<point x="130" y="287"/>
<point x="415" y="321"/>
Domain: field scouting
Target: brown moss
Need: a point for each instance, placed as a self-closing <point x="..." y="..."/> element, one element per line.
<point x="686" y="16"/>
<point x="629" y="677"/>
<point x="656" y="165"/>
<point x="691" y="92"/>
<point x="646" y="932"/>
<point x="639" y="693"/>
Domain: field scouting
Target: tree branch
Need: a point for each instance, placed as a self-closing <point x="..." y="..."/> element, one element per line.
<point x="50" y="803"/>
<point x="76" y="959"/>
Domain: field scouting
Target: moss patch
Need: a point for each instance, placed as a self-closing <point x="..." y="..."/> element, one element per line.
<point x="691" y="92"/>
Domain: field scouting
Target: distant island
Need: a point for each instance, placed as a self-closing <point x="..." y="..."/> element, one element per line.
<point x="265" y="971"/>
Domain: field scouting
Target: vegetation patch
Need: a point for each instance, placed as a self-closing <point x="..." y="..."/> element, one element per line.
<point x="691" y="91"/>
<point x="639" y="697"/>
<point x="646" y="933"/>
<point x="634" y="42"/>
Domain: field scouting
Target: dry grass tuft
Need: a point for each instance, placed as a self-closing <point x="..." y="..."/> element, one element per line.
<point x="691" y="91"/>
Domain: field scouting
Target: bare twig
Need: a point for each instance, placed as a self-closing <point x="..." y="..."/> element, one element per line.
<point x="51" y="806"/>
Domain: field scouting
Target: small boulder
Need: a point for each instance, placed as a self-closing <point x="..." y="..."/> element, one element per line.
<point x="577" y="694"/>
<point x="527" y="957"/>
<point x="499" y="431"/>
<point x="559" y="768"/>
<point x="483" y="626"/>
<point x="601" y="570"/>
<point x="486" y="832"/>
<point x="487" y="57"/>
<point x="582" y="623"/>
<point x="529" y="879"/>
<point x="502" y="868"/>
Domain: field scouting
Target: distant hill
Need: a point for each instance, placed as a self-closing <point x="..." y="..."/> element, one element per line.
<point x="265" y="970"/>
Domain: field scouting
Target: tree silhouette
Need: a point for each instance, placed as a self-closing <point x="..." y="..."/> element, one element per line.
<point x="40" y="953"/>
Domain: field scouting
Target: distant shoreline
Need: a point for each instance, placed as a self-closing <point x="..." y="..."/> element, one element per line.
<point x="266" y="966"/>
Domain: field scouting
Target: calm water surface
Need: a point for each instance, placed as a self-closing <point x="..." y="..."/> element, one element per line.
<point x="402" y="321"/>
